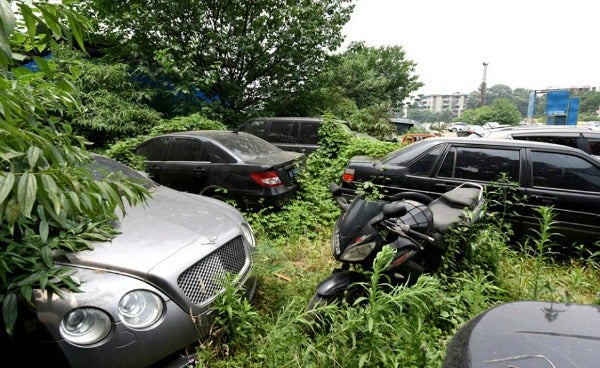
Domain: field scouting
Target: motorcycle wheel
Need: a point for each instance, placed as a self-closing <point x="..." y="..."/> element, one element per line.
<point x="321" y="301"/>
<point x="315" y="322"/>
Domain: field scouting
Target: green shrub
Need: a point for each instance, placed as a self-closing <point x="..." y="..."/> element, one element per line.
<point x="123" y="150"/>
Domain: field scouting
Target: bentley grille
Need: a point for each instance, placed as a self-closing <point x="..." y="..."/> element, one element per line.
<point x="205" y="279"/>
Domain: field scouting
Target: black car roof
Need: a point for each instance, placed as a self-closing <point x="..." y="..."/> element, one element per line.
<point x="496" y="142"/>
<point x="487" y="142"/>
<point x="549" y="130"/>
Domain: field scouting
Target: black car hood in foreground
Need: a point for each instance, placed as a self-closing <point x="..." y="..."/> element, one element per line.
<point x="150" y="234"/>
<point x="529" y="334"/>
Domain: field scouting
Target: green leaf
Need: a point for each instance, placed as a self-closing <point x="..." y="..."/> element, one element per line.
<point x="52" y="189"/>
<point x="26" y="193"/>
<point x="7" y="180"/>
<point x="46" y="254"/>
<point x="9" y="311"/>
<point x="44" y="230"/>
<point x="11" y="211"/>
<point x="74" y="25"/>
<point x="33" y="155"/>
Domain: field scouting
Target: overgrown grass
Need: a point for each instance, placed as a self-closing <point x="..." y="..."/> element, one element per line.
<point x="407" y="327"/>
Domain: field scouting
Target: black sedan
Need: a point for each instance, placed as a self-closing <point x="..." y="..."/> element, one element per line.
<point x="546" y="174"/>
<point x="224" y="165"/>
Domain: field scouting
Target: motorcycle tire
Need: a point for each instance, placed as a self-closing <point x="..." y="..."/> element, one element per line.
<point x="313" y="321"/>
<point x="321" y="301"/>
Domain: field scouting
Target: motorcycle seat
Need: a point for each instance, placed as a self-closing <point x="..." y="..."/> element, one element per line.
<point x="449" y="208"/>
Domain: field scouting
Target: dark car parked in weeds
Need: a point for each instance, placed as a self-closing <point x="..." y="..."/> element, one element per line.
<point x="298" y="134"/>
<point x="224" y="165"/>
<point x="530" y="334"/>
<point x="547" y="174"/>
<point x="146" y="294"/>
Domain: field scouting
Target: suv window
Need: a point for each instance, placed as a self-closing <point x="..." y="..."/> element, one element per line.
<point x="481" y="164"/>
<point x="594" y="146"/>
<point x="282" y="132"/>
<point x="569" y="172"/>
<point x="257" y="128"/>
<point x="309" y="132"/>
<point x="565" y="141"/>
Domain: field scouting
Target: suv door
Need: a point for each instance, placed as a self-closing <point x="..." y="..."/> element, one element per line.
<point x="569" y="183"/>
<point x="284" y="134"/>
<point x="308" y="137"/>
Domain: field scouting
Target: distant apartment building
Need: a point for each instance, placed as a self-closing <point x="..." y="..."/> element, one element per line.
<point x="457" y="103"/>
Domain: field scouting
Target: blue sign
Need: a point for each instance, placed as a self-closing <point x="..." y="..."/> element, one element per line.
<point x="573" y="111"/>
<point x="557" y="103"/>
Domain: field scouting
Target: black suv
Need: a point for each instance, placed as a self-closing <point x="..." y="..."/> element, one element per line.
<point x="548" y="174"/>
<point x="298" y="134"/>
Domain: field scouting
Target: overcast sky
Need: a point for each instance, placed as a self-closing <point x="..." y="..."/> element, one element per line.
<point x="533" y="44"/>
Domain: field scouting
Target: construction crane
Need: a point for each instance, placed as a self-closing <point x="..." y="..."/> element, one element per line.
<point x="482" y="88"/>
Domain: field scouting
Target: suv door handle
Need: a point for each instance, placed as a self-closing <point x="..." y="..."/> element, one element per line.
<point x="199" y="171"/>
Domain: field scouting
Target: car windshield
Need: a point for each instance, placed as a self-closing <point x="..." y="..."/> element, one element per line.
<point x="409" y="151"/>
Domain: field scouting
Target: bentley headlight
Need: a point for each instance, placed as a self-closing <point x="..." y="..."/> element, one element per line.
<point x="140" y="308"/>
<point x="85" y="326"/>
<point x="249" y="235"/>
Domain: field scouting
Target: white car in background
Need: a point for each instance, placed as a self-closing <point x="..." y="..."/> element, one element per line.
<point x="457" y="126"/>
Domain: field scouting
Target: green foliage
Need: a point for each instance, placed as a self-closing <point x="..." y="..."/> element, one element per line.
<point x="370" y="76"/>
<point x="115" y="105"/>
<point x="123" y="150"/>
<point x="41" y="157"/>
<point x="542" y="244"/>
<point x="185" y="123"/>
<point x="427" y="116"/>
<point x="239" y="54"/>
<point x="374" y="120"/>
<point x="108" y="117"/>
<point x="501" y="110"/>
<point x="588" y="105"/>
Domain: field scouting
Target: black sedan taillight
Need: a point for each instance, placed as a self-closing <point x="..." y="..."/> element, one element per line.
<point x="267" y="179"/>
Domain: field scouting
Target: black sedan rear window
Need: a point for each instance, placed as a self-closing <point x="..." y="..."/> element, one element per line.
<point x="246" y="146"/>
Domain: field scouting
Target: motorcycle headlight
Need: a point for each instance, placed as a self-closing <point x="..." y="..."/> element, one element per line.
<point x="85" y="326"/>
<point x="140" y="308"/>
<point x="249" y="235"/>
<point x="356" y="253"/>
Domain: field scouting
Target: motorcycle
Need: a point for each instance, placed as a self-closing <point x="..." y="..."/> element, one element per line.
<point x="412" y="224"/>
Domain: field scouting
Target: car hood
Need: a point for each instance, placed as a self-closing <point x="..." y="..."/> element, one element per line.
<point x="171" y="222"/>
<point x="529" y="334"/>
